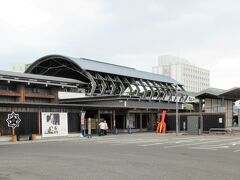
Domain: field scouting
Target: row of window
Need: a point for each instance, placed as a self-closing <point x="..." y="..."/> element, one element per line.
<point x="196" y="70"/>
<point x="9" y="88"/>
<point x="195" y="89"/>
<point x="195" y="84"/>
<point x="197" y="77"/>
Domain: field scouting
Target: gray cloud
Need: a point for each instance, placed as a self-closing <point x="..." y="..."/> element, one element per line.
<point x="131" y="33"/>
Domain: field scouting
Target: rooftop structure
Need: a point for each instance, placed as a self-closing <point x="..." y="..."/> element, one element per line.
<point x="108" y="79"/>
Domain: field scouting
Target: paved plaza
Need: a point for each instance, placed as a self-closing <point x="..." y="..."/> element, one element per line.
<point x="113" y="157"/>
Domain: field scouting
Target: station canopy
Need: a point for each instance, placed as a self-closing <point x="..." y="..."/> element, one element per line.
<point x="109" y="79"/>
<point x="230" y="94"/>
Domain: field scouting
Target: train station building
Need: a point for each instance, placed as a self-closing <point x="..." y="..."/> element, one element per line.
<point x="58" y="95"/>
<point x="59" y="92"/>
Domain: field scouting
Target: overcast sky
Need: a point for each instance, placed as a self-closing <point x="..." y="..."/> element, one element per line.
<point x="126" y="32"/>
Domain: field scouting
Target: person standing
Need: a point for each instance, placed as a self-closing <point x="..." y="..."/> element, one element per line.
<point x="105" y="127"/>
<point x="101" y="127"/>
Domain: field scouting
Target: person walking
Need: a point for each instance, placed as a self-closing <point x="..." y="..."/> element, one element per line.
<point x="101" y="127"/>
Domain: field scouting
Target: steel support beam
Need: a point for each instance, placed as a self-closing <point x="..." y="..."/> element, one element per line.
<point x="93" y="83"/>
<point x="144" y="88"/>
<point x="152" y="91"/>
<point x="158" y="90"/>
<point x="113" y="86"/>
<point x="163" y="90"/>
<point x="129" y="85"/>
<point x="122" y="87"/>
<point x="103" y="84"/>
<point x="137" y="87"/>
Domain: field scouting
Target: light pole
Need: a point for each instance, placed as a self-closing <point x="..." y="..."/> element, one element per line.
<point x="176" y="109"/>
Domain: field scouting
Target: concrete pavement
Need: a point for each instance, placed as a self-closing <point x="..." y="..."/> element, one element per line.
<point x="136" y="156"/>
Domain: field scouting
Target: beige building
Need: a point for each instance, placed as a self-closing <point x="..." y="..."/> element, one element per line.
<point x="193" y="78"/>
<point x="20" y="67"/>
<point x="219" y="101"/>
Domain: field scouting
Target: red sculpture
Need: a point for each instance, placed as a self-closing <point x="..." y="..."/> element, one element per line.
<point x="161" y="127"/>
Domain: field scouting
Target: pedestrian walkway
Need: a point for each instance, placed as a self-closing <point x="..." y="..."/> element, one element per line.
<point x="153" y="140"/>
<point x="168" y="141"/>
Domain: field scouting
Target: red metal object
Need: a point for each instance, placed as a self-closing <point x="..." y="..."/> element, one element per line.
<point x="161" y="127"/>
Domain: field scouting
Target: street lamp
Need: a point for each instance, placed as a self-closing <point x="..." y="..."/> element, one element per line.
<point x="176" y="109"/>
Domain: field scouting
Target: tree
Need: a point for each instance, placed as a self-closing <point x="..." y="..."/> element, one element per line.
<point x="188" y="107"/>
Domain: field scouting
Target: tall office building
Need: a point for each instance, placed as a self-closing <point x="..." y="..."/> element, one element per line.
<point x="192" y="77"/>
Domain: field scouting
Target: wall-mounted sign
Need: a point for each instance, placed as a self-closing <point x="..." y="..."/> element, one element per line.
<point x="54" y="124"/>
<point x="220" y="120"/>
<point x="13" y="120"/>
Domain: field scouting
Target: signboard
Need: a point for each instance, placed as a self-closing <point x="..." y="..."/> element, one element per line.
<point x="220" y="120"/>
<point x="13" y="120"/>
<point x="54" y="124"/>
<point x="94" y="123"/>
<point x="82" y="117"/>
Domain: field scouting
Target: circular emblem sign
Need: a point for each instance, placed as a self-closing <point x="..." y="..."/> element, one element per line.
<point x="13" y="120"/>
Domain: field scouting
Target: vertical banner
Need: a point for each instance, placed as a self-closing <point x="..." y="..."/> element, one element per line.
<point x="54" y="124"/>
<point x="83" y="130"/>
<point x="82" y="117"/>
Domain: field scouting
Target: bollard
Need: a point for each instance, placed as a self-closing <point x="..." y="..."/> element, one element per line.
<point x="14" y="138"/>
<point x="89" y="128"/>
<point x="34" y="137"/>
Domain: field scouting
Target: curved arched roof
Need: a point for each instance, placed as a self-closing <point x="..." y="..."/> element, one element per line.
<point x="102" y="67"/>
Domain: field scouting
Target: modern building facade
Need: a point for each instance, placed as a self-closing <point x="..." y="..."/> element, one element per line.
<point x="58" y="95"/>
<point x="194" y="79"/>
<point x="56" y="87"/>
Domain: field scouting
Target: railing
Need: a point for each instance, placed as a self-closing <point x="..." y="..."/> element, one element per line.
<point x="229" y="130"/>
<point x="12" y="94"/>
<point x="37" y="95"/>
<point x="220" y="131"/>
